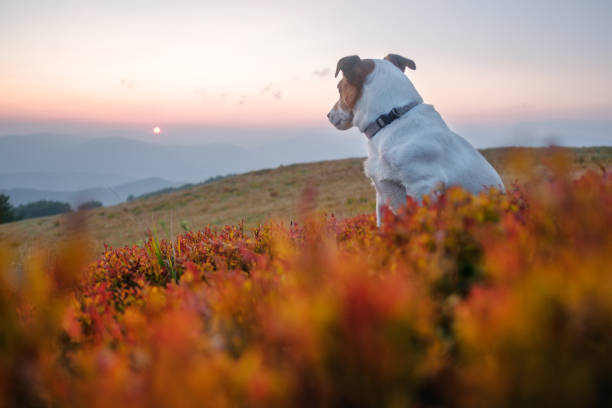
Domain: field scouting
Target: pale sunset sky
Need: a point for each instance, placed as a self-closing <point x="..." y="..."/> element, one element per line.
<point x="86" y="66"/>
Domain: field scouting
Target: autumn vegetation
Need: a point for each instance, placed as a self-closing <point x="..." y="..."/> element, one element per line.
<point x="495" y="300"/>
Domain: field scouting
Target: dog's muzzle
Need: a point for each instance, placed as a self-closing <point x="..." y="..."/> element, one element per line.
<point x="341" y="119"/>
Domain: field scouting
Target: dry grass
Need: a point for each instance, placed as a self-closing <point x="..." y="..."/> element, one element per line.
<point x="339" y="187"/>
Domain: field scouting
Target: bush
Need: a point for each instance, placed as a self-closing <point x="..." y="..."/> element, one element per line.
<point x="41" y="208"/>
<point x="490" y="300"/>
<point x="89" y="205"/>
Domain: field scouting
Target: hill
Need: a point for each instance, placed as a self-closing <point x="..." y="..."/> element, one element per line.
<point x="341" y="188"/>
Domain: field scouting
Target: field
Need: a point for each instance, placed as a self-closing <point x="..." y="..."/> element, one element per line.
<point x="340" y="187"/>
<point x="494" y="300"/>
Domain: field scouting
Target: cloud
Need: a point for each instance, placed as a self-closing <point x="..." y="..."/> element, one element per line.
<point x="266" y="89"/>
<point x="126" y="83"/>
<point x="272" y="90"/>
<point x="321" y="72"/>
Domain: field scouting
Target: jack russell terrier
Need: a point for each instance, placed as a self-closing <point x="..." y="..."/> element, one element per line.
<point x="412" y="152"/>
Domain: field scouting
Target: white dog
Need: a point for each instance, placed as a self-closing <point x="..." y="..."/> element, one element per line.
<point x="411" y="150"/>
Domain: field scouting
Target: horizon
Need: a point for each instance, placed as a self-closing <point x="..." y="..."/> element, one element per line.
<point x="204" y="72"/>
<point x="561" y="132"/>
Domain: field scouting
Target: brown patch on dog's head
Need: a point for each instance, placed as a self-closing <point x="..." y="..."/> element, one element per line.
<point x="401" y="62"/>
<point x="349" y="94"/>
<point x="355" y="70"/>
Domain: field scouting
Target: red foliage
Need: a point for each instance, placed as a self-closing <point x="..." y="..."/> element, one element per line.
<point x="489" y="300"/>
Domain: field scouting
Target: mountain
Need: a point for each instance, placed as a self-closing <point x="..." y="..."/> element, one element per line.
<point x="56" y="162"/>
<point x="61" y="160"/>
<point x="61" y="181"/>
<point x="106" y="195"/>
<point x="130" y="158"/>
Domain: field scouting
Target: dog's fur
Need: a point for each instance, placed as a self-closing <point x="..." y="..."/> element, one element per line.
<point x="415" y="154"/>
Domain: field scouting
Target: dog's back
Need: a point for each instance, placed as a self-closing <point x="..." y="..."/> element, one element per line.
<point x="421" y="143"/>
<point x="460" y="162"/>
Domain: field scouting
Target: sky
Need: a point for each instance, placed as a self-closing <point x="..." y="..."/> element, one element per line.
<point x="260" y="67"/>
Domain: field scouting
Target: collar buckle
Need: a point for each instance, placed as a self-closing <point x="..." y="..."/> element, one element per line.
<point x="386" y="119"/>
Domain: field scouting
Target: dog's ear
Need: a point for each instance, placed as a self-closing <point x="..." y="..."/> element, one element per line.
<point x="400" y="62"/>
<point x="350" y="68"/>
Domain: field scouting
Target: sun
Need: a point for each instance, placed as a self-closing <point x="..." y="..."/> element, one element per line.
<point x="156" y="130"/>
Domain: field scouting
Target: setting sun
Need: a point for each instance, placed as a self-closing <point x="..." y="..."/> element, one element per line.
<point x="156" y="130"/>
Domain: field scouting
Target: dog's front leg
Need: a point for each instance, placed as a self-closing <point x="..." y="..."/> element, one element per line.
<point x="379" y="204"/>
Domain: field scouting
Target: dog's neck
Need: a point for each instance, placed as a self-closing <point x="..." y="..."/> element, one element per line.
<point x="385" y="88"/>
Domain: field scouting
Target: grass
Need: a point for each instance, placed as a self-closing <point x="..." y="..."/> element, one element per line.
<point x="337" y="187"/>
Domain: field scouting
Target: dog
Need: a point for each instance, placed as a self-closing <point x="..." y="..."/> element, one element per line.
<point x="411" y="150"/>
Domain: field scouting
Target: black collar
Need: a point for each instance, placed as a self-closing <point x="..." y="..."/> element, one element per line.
<point x="386" y="119"/>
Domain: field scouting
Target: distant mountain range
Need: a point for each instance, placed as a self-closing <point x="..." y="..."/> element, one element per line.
<point x="75" y="169"/>
<point x="60" y="162"/>
<point x="57" y="181"/>
<point x="106" y="195"/>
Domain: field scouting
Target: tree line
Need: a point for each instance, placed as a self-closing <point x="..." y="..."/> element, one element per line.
<point x="41" y="208"/>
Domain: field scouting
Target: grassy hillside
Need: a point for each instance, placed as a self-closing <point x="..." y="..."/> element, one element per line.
<point x="339" y="187"/>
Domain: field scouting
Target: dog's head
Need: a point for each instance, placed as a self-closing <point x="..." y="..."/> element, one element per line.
<point x="356" y="73"/>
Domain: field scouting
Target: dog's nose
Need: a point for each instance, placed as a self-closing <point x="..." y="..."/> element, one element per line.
<point x="328" y="115"/>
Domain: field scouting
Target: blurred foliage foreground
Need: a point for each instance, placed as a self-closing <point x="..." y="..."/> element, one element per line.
<point x="491" y="300"/>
